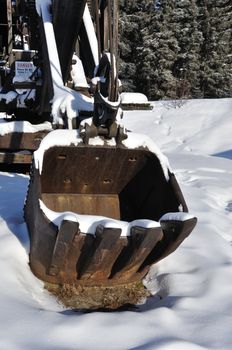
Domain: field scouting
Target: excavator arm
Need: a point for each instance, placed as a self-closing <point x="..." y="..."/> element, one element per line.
<point x="102" y="204"/>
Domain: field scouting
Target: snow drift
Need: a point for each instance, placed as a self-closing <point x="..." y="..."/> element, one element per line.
<point x="192" y="306"/>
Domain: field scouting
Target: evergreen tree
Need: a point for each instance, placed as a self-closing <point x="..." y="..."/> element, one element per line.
<point x="177" y="49"/>
<point x="216" y="59"/>
<point x="189" y="36"/>
<point x="129" y="27"/>
<point x="158" y="53"/>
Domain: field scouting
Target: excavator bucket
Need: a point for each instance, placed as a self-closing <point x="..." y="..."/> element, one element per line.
<point x="99" y="215"/>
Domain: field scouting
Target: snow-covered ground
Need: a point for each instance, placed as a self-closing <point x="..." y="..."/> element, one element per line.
<point x="193" y="306"/>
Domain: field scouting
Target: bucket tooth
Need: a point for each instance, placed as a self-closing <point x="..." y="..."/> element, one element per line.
<point x="174" y="233"/>
<point x="72" y="268"/>
<point x="85" y="255"/>
<point x="107" y="247"/>
<point x="65" y="236"/>
<point x="140" y="244"/>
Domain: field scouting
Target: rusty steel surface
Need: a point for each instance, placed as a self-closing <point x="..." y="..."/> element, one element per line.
<point x="133" y="177"/>
<point x="18" y="141"/>
<point x="16" y="150"/>
<point x="15" y="158"/>
<point x="93" y="204"/>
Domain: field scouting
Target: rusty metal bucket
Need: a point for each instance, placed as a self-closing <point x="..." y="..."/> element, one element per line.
<point x="115" y="186"/>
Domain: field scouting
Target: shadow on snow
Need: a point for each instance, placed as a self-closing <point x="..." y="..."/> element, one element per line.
<point x="225" y="154"/>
